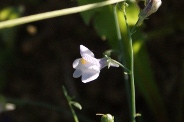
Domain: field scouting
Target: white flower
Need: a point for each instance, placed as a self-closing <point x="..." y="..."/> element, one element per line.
<point x="88" y="66"/>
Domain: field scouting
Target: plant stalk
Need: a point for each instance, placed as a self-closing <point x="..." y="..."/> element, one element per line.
<point x="132" y="84"/>
<point x="56" y="13"/>
<point x="127" y="84"/>
<point x="70" y="105"/>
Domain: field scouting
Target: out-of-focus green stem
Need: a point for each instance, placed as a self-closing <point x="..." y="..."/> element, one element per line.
<point x="47" y="15"/>
<point x="119" y="38"/>
<point x="70" y="105"/>
<point x="118" y="29"/>
<point x="22" y="103"/>
<point x="133" y="29"/>
<point x="132" y="84"/>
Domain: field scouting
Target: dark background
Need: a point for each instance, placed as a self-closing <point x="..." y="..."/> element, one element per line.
<point x="37" y="61"/>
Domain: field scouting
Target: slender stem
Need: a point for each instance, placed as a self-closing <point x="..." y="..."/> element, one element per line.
<point x="23" y="102"/>
<point x="73" y="112"/>
<point x="133" y="29"/>
<point x="70" y="104"/>
<point x="46" y="15"/>
<point x="132" y="84"/>
<point x="127" y="84"/>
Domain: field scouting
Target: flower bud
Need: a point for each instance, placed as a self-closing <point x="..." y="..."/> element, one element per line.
<point x="107" y="118"/>
<point x="150" y="8"/>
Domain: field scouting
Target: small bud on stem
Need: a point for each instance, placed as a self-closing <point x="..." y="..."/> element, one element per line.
<point x="150" y="8"/>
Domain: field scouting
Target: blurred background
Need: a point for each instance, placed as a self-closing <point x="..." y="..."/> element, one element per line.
<point x="36" y="60"/>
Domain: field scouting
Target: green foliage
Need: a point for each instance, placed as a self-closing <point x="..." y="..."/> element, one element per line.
<point x="103" y="21"/>
<point x="8" y="35"/>
<point x="7" y="38"/>
<point x="145" y="81"/>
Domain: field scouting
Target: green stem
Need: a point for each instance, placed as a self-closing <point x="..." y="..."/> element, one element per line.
<point x="22" y="102"/>
<point x="133" y="29"/>
<point x="47" y="15"/>
<point x="73" y="112"/>
<point x="127" y="84"/>
<point x="132" y="84"/>
<point x="70" y="104"/>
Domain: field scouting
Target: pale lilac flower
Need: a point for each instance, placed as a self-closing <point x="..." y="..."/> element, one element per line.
<point x="88" y="66"/>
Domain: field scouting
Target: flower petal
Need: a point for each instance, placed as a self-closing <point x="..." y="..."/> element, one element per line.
<point x="76" y="62"/>
<point x="89" y="76"/>
<point x="94" y="68"/>
<point x="77" y="73"/>
<point x="85" y="50"/>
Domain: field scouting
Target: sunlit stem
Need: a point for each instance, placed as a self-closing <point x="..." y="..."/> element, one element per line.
<point x="56" y="13"/>
<point x="132" y="84"/>
<point x="70" y="105"/>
